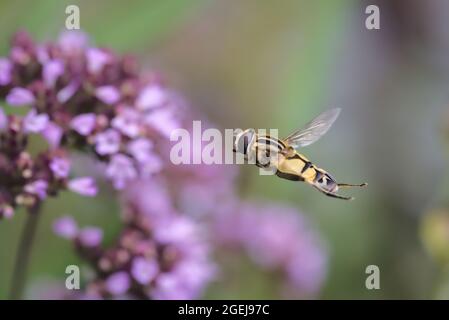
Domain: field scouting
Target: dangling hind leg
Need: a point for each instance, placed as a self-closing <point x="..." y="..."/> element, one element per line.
<point x="348" y="185"/>
<point x="333" y="195"/>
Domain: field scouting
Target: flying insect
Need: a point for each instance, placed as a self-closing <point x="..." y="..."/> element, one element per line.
<point x="281" y="155"/>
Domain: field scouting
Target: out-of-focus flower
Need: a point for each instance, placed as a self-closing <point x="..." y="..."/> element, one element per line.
<point x="52" y="70"/>
<point x="96" y="60"/>
<point x="85" y="186"/>
<point x="156" y="207"/>
<point x="53" y="134"/>
<point x="118" y="283"/>
<point x="108" y="94"/>
<point x="84" y="124"/>
<point x="38" y="188"/>
<point x="90" y="236"/>
<point x="158" y="255"/>
<point x="65" y="227"/>
<point x="278" y="239"/>
<point x="163" y="120"/>
<point x="73" y="42"/>
<point x="60" y="167"/>
<point x="34" y="122"/>
<point x="108" y="142"/>
<point x="140" y="149"/>
<point x="144" y="270"/>
<point x="121" y="170"/>
<point x="67" y="92"/>
<point x="127" y="121"/>
<point x="20" y="97"/>
<point x="151" y="97"/>
<point x="151" y="165"/>
<point x="5" y="71"/>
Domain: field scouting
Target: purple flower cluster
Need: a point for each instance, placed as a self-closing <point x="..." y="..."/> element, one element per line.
<point x="277" y="238"/>
<point x="88" y="98"/>
<point x="159" y="253"/>
<point x="80" y="97"/>
<point x="28" y="179"/>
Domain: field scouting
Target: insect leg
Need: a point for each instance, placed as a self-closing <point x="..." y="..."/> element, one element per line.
<point x="348" y="185"/>
<point x="334" y="195"/>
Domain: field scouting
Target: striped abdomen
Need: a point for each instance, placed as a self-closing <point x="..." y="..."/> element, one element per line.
<point x="291" y="165"/>
<point x="296" y="167"/>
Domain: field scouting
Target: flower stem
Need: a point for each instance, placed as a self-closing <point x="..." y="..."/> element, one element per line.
<point x="23" y="254"/>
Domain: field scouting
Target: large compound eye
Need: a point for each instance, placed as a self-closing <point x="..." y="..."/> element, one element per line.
<point x="244" y="141"/>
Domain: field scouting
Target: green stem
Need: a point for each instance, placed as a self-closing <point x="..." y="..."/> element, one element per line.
<point x="23" y="254"/>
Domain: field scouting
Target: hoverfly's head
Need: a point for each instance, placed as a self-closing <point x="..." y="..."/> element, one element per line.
<point x="244" y="141"/>
<point x="326" y="182"/>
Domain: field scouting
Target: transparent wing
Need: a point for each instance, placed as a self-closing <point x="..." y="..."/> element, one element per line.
<point x="313" y="130"/>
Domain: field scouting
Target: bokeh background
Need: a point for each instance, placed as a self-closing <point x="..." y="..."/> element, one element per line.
<point x="276" y="64"/>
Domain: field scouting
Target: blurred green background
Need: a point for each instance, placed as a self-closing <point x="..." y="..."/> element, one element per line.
<point x="276" y="64"/>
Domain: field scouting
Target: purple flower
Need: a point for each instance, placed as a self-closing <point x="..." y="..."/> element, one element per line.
<point x="19" y="55"/>
<point x="5" y="71"/>
<point x="19" y="97"/>
<point x="271" y="247"/>
<point x="84" y="124"/>
<point x="60" y="167"/>
<point x="186" y="281"/>
<point x="175" y="231"/>
<point x="150" y="97"/>
<point x="156" y="207"/>
<point x="107" y="142"/>
<point x="151" y="165"/>
<point x="140" y="149"/>
<point x="3" y="120"/>
<point x="107" y="94"/>
<point x="73" y="42"/>
<point x="163" y="120"/>
<point x="127" y="121"/>
<point x="162" y="255"/>
<point x="121" y="170"/>
<point x="118" y="283"/>
<point x="42" y="54"/>
<point x="90" y="236"/>
<point x="168" y="287"/>
<point x="96" y="60"/>
<point x="277" y="238"/>
<point x="65" y="227"/>
<point x="67" y="92"/>
<point x="85" y="186"/>
<point x="307" y="269"/>
<point x="53" y="134"/>
<point x="52" y="70"/>
<point x="34" y="122"/>
<point x="38" y="188"/>
<point x="144" y="270"/>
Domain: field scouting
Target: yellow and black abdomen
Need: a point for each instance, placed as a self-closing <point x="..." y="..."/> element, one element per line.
<point x="296" y="168"/>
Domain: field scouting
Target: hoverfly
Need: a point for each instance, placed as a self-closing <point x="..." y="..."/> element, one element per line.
<point x="281" y="155"/>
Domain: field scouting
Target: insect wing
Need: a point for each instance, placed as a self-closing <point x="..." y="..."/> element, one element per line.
<point x="313" y="130"/>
